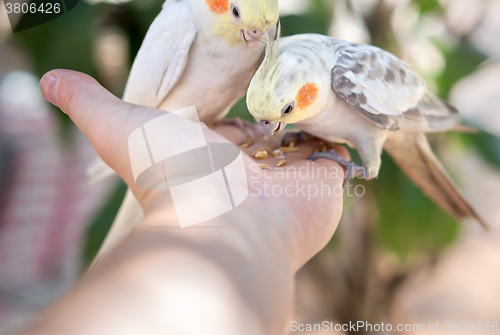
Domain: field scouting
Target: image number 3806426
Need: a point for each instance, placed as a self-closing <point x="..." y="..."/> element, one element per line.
<point x="26" y="14"/>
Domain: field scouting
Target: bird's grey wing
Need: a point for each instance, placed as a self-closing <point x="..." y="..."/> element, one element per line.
<point x="163" y="56"/>
<point x="382" y="88"/>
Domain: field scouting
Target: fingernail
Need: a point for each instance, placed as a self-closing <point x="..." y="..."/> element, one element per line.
<point x="50" y="84"/>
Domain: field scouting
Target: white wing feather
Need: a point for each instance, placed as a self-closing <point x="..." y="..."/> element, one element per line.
<point x="163" y="55"/>
<point x="158" y="66"/>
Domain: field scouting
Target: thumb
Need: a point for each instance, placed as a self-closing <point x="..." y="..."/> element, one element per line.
<point x="106" y="120"/>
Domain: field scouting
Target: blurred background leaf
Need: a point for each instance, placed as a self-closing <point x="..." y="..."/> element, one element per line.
<point x="102" y="223"/>
<point x="460" y="62"/>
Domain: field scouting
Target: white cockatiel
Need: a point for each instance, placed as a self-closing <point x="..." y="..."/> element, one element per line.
<point x="202" y="53"/>
<point x="199" y="53"/>
<point x="360" y="95"/>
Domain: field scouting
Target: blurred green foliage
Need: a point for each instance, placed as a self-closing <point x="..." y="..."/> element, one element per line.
<point x="62" y="43"/>
<point x="427" y="5"/>
<point x="486" y="144"/>
<point x="408" y="221"/>
<point x="460" y="62"/>
<point x="102" y="223"/>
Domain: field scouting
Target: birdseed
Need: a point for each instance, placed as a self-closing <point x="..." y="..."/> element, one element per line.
<point x="247" y="143"/>
<point x="261" y="155"/>
<point x="288" y="149"/>
<point x="268" y="150"/>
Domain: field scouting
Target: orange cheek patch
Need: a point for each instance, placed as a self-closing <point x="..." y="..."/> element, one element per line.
<point x="307" y="95"/>
<point x="218" y="6"/>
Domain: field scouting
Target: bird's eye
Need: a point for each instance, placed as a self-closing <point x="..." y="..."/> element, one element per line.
<point x="288" y="108"/>
<point x="236" y="11"/>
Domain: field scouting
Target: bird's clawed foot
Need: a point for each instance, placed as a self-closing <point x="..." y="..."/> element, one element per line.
<point x="296" y="138"/>
<point x="353" y="170"/>
<point x="252" y="129"/>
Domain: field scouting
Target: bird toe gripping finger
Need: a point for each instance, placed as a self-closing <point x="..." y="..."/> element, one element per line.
<point x="296" y="137"/>
<point x="252" y="129"/>
<point x="353" y="170"/>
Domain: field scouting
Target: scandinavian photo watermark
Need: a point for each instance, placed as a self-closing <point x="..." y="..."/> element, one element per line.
<point x="365" y="326"/>
<point x="289" y="181"/>
<point x="26" y="14"/>
<point x="173" y="152"/>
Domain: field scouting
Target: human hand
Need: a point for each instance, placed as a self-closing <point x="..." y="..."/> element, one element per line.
<point x="245" y="266"/>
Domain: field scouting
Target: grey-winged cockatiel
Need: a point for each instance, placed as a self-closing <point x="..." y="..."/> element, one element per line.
<point x="196" y="52"/>
<point x="360" y="95"/>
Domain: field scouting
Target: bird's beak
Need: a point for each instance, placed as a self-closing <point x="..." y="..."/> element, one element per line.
<point x="253" y="37"/>
<point x="270" y="129"/>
